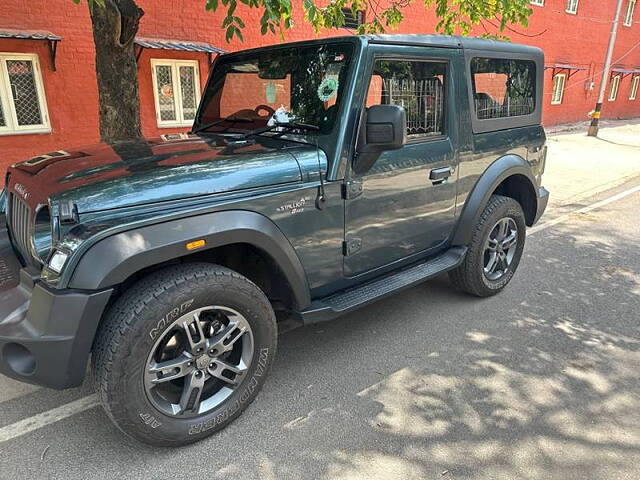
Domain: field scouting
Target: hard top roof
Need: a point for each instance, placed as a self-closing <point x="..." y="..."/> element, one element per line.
<point x="453" y="41"/>
<point x="441" y="41"/>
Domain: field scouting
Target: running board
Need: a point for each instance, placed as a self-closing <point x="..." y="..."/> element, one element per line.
<point x="381" y="287"/>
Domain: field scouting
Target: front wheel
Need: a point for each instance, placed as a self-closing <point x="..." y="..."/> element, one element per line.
<point x="183" y="353"/>
<point x="495" y="250"/>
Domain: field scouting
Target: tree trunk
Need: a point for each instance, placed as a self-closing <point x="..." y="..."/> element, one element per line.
<point x="114" y="28"/>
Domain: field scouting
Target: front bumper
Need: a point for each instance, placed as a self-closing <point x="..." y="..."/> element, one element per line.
<point x="543" y="200"/>
<point x="45" y="335"/>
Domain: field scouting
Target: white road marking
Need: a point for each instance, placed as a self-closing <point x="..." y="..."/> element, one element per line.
<point x="47" y="418"/>
<point x="588" y="208"/>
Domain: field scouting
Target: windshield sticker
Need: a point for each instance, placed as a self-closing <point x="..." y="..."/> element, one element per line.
<point x="270" y="92"/>
<point x="327" y="89"/>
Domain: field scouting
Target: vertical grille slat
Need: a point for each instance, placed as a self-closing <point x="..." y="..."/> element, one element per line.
<point x="20" y="225"/>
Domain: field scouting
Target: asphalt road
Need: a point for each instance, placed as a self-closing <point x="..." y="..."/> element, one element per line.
<point x="539" y="382"/>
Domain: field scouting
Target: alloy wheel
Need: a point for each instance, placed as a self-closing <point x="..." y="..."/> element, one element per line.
<point x="500" y="248"/>
<point x="198" y="362"/>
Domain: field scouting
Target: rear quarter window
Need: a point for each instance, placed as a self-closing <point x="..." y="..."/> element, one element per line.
<point x="503" y="87"/>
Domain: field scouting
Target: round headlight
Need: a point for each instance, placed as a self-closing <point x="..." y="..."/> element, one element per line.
<point x="42" y="234"/>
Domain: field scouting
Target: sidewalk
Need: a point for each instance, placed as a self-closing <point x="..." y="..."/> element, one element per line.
<point x="579" y="166"/>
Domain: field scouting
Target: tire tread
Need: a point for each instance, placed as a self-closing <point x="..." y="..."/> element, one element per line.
<point x="111" y="340"/>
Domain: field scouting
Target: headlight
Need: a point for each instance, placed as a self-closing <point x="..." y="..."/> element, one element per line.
<point x="42" y="234"/>
<point x="57" y="260"/>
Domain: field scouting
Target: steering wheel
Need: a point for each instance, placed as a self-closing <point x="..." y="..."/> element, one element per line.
<point x="270" y="111"/>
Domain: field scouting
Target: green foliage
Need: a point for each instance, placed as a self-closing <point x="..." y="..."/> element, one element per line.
<point x="454" y="16"/>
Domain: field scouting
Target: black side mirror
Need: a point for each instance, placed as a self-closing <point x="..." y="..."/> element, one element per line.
<point x="384" y="128"/>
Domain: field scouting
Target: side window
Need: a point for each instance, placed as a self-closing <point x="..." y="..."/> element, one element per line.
<point x="503" y="87"/>
<point x="416" y="86"/>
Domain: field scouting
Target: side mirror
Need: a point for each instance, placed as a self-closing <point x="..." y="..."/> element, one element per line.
<point x="384" y="128"/>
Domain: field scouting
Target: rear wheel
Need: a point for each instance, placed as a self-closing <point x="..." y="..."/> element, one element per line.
<point x="183" y="353"/>
<point x="495" y="250"/>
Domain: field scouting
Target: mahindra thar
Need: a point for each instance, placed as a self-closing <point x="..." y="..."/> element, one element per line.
<point x="318" y="177"/>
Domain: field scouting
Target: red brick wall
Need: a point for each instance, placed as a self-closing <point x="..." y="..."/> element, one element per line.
<point x="71" y="91"/>
<point x="582" y="40"/>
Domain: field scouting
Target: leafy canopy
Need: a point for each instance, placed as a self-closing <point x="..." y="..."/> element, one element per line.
<point x="454" y="16"/>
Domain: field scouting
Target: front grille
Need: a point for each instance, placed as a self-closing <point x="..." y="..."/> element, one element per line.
<point x="21" y="223"/>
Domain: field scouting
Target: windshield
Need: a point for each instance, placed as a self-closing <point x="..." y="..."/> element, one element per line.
<point x="301" y="84"/>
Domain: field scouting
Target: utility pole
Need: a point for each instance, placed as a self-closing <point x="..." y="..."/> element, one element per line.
<point x="595" y="118"/>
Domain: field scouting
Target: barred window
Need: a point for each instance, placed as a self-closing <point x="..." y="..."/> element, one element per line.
<point x="572" y="6"/>
<point x="503" y="87"/>
<point x="22" y="103"/>
<point x="176" y="88"/>
<point x="557" y="91"/>
<point x="628" y="13"/>
<point x="635" y="83"/>
<point x="615" y="86"/>
<point x="418" y="87"/>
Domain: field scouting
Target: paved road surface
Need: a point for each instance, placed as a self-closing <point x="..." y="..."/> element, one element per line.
<point x="540" y="382"/>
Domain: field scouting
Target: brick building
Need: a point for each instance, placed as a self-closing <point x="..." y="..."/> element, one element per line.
<point x="48" y="92"/>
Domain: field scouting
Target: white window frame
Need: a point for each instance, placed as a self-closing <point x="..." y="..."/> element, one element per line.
<point x="628" y="14"/>
<point x="8" y="104"/>
<point x="615" y="87"/>
<point x="177" y="90"/>
<point x="573" y="3"/>
<point x="555" y="100"/>
<point x="635" y="86"/>
<point x="539" y="3"/>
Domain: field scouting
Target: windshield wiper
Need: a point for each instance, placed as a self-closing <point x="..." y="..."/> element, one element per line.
<point x="287" y="125"/>
<point x="206" y="126"/>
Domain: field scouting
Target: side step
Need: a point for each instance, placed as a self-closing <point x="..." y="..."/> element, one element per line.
<point x="378" y="288"/>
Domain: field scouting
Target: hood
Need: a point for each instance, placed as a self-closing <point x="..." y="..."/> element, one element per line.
<point x="106" y="176"/>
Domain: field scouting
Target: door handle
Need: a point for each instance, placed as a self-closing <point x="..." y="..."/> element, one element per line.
<point x="439" y="175"/>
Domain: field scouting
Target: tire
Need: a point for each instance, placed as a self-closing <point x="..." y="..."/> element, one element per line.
<point x="195" y="304"/>
<point x="471" y="276"/>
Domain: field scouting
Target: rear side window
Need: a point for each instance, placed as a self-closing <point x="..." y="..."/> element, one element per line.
<point x="503" y="87"/>
<point x="417" y="86"/>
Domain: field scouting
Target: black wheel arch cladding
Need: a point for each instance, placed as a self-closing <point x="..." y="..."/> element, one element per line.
<point x="112" y="260"/>
<point x="499" y="171"/>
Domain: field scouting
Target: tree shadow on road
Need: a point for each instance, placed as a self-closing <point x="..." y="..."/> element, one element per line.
<point x="540" y="382"/>
<point x="548" y="391"/>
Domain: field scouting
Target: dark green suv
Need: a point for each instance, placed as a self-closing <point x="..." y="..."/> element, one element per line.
<point x="319" y="177"/>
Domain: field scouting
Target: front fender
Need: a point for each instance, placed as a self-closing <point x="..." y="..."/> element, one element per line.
<point x="493" y="176"/>
<point x="114" y="259"/>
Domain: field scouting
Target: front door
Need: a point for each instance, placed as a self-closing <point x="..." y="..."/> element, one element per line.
<point x="407" y="204"/>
